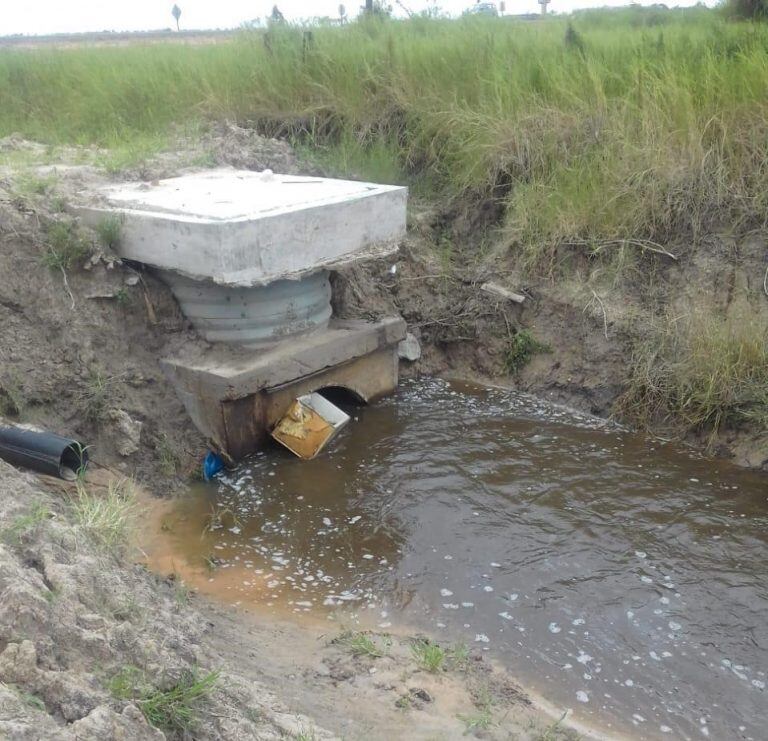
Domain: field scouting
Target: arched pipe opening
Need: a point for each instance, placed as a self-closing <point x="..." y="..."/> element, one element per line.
<point x="42" y="451"/>
<point x="342" y="396"/>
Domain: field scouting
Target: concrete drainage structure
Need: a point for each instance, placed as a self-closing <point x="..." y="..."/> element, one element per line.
<point x="248" y="256"/>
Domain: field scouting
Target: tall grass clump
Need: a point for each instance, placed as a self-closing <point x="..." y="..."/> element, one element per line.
<point x="172" y="707"/>
<point x="703" y="371"/>
<point x="642" y="124"/>
<point x="109" y="517"/>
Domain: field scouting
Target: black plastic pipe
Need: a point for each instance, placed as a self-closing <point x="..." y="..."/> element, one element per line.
<point x="42" y="451"/>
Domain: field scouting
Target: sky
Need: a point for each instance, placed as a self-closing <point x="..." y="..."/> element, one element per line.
<point x="68" y="16"/>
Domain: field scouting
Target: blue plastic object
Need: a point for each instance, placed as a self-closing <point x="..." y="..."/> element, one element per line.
<point x="212" y="464"/>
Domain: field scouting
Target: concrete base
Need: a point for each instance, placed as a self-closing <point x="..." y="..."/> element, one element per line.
<point x="235" y="397"/>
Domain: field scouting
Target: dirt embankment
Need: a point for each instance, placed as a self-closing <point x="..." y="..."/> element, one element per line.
<point x="91" y="645"/>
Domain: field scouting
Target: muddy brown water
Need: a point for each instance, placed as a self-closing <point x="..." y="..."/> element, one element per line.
<point x="610" y="573"/>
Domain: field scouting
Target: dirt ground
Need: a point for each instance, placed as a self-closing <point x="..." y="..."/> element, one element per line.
<point x="79" y="351"/>
<point x="76" y="616"/>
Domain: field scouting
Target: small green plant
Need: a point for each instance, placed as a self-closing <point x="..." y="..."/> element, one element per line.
<point x="361" y="644"/>
<point x="555" y="731"/>
<point x="429" y="656"/>
<point x="479" y="721"/>
<point x="122" y="296"/>
<point x="99" y="394"/>
<point x="307" y="734"/>
<point x="221" y="518"/>
<point x="172" y="708"/>
<point x="24" y="525"/>
<point x="109" y="517"/>
<point x="82" y="466"/>
<point x="108" y="230"/>
<point x="34" y="185"/>
<point x="459" y="656"/>
<point x="11" y="398"/>
<point x="181" y="593"/>
<point x="522" y="347"/>
<point x="30" y="700"/>
<point x="64" y="246"/>
<point x="404" y="702"/>
<point x="168" y="456"/>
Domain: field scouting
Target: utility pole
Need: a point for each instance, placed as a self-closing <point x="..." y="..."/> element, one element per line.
<point x="543" y="4"/>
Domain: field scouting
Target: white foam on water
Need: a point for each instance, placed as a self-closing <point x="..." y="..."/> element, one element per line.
<point x="554" y="628"/>
<point x="446" y="593"/>
<point x="582" y="696"/>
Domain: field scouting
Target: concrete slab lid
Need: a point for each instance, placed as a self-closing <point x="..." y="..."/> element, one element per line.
<point x="242" y="228"/>
<point x="226" y="194"/>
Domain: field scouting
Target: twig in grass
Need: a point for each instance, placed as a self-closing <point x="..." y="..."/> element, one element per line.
<point x="597" y="298"/>
<point x="66" y="286"/>
<point x="765" y="282"/>
<point x="643" y="244"/>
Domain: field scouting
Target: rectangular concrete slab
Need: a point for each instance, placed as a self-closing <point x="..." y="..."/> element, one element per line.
<point x="243" y="228"/>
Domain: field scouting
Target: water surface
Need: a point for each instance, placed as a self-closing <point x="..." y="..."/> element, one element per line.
<point x="612" y="574"/>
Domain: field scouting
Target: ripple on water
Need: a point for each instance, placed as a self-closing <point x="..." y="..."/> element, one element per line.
<point x="541" y="535"/>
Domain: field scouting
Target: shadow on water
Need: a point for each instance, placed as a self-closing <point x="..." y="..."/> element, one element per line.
<point x="613" y="574"/>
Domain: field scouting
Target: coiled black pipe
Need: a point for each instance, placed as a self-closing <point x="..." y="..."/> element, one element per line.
<point x="42" y="451"/>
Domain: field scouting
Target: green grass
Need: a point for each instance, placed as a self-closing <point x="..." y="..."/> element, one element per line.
<point x="99" y="395"/>
<point x="649" y="129"/>
<point x="29" y="699"/>
<point x="481" y="720"/>
<point x="24" y="525"/>
<point x="108" y="517"/>
<point x="168" y="456"/>
<point x="12" y="403"/>
<point x="703" y="370"/>
<point x="65" y="246"/>
<point x="170" y="708"/>
<point x="108" y="231"/>
<point x="429" y="656"/>
<point x="362" y="644"/>
<point x="521" y="348"/>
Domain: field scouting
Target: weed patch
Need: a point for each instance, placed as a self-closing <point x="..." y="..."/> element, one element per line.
<point x="22" y="526"/>
<point x="701" y="371"/>
<point x="99" y="394"/>
<point x="108" y="517"/>
<point x="65" y="246"/>
<point x="172" y="708"/>
<point x="522" y="347"/>
<point x="429" y="656"/>
<point x="108" y="231"/>
<point x="362" y="644"/>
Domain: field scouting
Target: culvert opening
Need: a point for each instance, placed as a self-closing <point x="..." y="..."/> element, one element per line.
<point x="342" y="397"/>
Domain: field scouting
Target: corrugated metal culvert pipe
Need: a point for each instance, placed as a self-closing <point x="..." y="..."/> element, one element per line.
<point x="254" y="316"/>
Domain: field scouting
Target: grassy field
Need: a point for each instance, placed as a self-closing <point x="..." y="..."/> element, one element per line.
<point x="642" y="125"/>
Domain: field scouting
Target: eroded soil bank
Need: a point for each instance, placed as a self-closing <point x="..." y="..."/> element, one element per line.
<point x="80" y="339"/>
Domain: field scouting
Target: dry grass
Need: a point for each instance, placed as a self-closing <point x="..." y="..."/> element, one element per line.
<point x="702" y="371"/>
